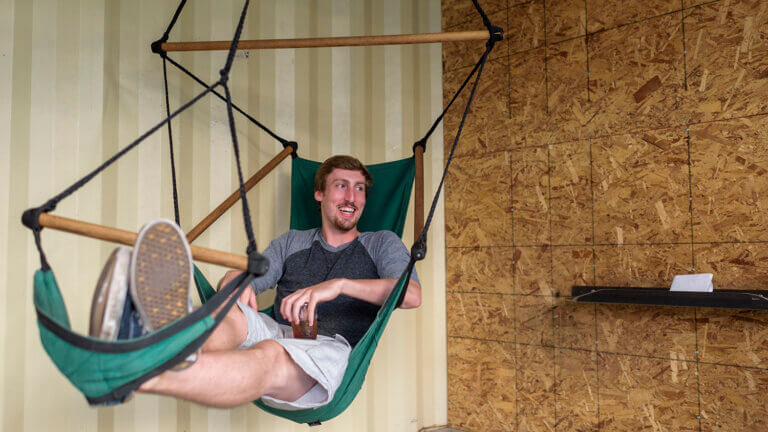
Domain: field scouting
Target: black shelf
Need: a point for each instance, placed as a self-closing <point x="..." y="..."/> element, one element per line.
<point x="731" y="299"/>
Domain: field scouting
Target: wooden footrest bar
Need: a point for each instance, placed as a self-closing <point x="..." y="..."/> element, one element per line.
<point x="115" y="235"/>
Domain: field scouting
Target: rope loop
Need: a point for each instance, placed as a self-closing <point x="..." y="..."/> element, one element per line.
<point x="419" y="248"/>
<point x="31" y="217"/>
<point x="420" y="143"/>
<point x="224" y="73"/>
<point x="292" y="144"/>
<point x="157" y="47"/>
<point x="258" y="264"/>
<point x="497" y="33"/>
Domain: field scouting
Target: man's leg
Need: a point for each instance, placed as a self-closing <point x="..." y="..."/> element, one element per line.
<point x="225" y="379"/>
<point x="226" y="376"/>
<point x="231" y="332"/>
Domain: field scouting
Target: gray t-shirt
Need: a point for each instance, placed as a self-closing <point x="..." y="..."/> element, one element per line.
<point x="299" y="259"/>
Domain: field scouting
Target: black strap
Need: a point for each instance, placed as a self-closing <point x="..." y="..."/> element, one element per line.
<point x="496" y="34"/>
<point x="421" y="243"/>
<point x="173" y="20"/>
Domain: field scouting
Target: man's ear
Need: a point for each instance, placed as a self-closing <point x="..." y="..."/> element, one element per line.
<point x="318" y="196"/>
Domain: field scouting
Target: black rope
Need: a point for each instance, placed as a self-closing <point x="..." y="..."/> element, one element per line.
<point x="419" y="248"/>
<point x="51" y="204"/>
<point x="423" y="141"/>
<point x="243" y="197"/>
<point x="496" y="33"/>
<point x="157" y="48"/>
<point x="157" y="45"/>
<point x="173" y="20"/>
<point x="235" y="107"/>
<point x="170" y="145"/>
<point x="423" y="236"/>
<point x="257" y="263"/>
<point x="483" y="16"/>
<point x="233" y="47"/>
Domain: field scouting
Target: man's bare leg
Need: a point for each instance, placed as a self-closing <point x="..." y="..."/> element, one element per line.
<point x="225" y="376"/>
<point x="230" y="333"/>
<point x="226" y="379"/>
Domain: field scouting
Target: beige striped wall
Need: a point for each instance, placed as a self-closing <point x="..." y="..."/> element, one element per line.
<point x="78" y="82"/>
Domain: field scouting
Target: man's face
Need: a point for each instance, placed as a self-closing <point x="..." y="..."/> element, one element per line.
<point x="342" y="201"/>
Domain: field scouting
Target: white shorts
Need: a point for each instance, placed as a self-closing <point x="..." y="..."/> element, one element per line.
<point x="324" y="359"/>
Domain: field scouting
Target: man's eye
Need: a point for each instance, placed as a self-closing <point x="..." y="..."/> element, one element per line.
<point x="360" y="189"/>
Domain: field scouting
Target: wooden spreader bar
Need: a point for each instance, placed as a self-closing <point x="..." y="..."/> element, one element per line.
<point x="101" y="232"/>
<point x="232" y="199"/>
<point x="418" y="215"/>
<point x="401" y="39"/>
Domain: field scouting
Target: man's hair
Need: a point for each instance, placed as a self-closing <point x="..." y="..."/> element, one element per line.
<point x="341" y="162"/>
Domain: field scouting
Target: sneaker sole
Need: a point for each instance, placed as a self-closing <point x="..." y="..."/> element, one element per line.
<point x="161" y="272"/>
<point x="110" y="294"/>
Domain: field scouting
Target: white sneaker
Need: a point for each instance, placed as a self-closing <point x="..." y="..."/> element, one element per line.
<point x="109" y="297"/>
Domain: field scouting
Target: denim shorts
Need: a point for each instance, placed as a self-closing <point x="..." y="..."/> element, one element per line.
<point x="324" y="359"/>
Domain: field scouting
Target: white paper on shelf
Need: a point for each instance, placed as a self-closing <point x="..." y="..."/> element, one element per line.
<point x="701" y="282"/>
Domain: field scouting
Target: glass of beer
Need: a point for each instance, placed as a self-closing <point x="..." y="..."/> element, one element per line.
<point x="303" y="330"/>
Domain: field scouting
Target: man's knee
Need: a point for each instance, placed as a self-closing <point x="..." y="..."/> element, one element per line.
<point x="231" y="332"/>
<point x="287" y="380"/>
<point x="272" y="351"/>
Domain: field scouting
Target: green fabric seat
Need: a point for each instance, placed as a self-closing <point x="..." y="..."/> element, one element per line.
<point x="107" y="370"/>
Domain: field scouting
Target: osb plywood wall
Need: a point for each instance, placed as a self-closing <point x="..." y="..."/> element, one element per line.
<point x="610" y="143"/>
<point x="78" y="83"/>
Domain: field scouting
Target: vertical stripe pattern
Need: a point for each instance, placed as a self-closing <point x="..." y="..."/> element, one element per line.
<point x="80" y="83"/>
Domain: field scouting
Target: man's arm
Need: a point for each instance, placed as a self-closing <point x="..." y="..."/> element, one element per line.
<point x="371" y="290"/>
<point x="275" y="254"/>
<point x="376" y="291"/>
<point x="248" y="296"/>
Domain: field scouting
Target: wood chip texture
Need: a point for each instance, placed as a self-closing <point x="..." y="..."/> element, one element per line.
<point x="613" y="143"/>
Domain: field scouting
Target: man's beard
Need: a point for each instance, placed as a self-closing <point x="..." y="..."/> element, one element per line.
<point x="344" y="224"/>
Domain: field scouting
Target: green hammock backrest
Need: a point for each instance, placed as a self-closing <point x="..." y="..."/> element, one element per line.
<point x="385" y="208"/>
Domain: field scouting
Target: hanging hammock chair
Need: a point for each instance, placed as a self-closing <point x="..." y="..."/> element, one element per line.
<point x="109" y="370"/>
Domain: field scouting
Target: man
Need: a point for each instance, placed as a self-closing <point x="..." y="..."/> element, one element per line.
<point x="339" y="274"/>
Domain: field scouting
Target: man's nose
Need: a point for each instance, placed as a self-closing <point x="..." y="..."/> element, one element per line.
<point x="349" y="194"/>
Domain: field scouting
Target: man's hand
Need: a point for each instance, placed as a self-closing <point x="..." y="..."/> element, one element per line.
<point x="322" y="292"/>
<point x="247" y="297"/>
